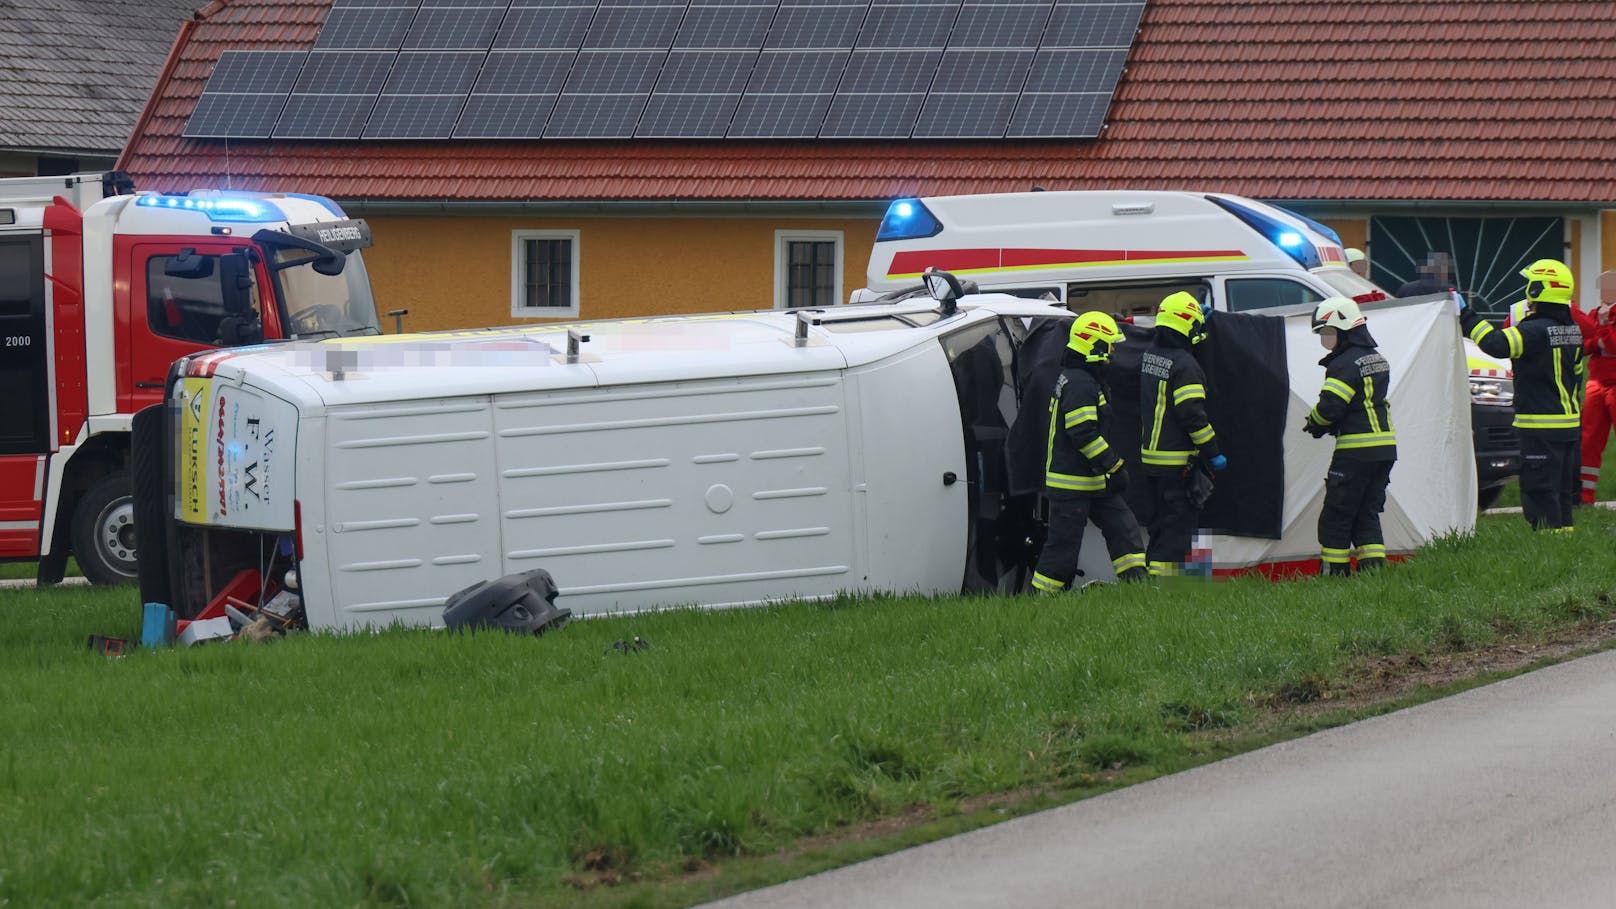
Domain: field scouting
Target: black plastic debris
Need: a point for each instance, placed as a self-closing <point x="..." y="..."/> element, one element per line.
<point x="520" y="603"/>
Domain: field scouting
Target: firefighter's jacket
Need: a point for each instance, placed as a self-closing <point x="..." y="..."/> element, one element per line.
<point x="1172" y="405"/>
<point x="1078" y="457"/>
<point x="1352" y="405"/>
<point x="1546" y="354"/>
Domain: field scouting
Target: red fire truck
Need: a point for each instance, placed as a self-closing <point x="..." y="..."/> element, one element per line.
<point x="101" y="288"/>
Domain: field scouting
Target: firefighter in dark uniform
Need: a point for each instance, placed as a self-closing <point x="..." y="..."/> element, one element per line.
<point x="1353" y="408"/>
<point x="1546" y="353"/>
<point x="1173" y="428"/>
<point x="1083" y="476"/>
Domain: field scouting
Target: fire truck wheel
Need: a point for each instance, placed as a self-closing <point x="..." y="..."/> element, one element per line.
<point x="104" y="531"/>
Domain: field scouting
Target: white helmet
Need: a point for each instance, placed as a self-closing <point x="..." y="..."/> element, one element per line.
<point x="1339" y="313"/>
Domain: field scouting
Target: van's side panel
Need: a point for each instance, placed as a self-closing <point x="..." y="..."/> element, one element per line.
<point x="411" y="513"/>
<point x="909" y="415"/>
<point x="716" y="492"/>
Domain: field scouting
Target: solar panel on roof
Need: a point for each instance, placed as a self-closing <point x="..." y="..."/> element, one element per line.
<point x="908" y="25"/>
<point x="963" y="116"/>
<point x="344" y="72"/>
<point x="1093" y="24"/>
<point x="364" y="28"/>
<point x="504" y="116"/>
<point x="524" y="72"/>
<point x="544" y="27"/>
<point x="414" y="117"/>
<point x="454" y="28"/>
<point x="875" y="116"/>
<point x="634" y="26"/>
<point x="675" y="116"/>
<point x="816" y="26"/>
<point x="779" y="116"/>
<point x="683" y="69"/>
<point x="324" y="116"/>
<point x="234" y="116"/>
<point x="595" y="116"/>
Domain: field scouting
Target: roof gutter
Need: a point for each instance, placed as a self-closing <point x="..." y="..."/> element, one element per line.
<point x="855" y="208"/>
<point x="1443" y="206"/>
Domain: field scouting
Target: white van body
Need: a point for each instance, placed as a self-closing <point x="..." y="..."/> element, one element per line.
<point x="707" y="460"/>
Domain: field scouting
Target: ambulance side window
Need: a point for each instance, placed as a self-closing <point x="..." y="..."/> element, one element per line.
<point x="1247" y="294"/>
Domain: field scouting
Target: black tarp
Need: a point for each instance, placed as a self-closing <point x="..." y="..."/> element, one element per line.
<point x="1248" y="391"/>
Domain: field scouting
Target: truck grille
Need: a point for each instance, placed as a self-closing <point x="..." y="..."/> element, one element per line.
<point x="1500" y="437"/>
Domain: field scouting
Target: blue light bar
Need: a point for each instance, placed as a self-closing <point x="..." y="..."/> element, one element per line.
<point x="221" y="208"/>
<point x="1288" y="238"/>
<point x="908" y="219"/>
<point x="1323" y="230"/>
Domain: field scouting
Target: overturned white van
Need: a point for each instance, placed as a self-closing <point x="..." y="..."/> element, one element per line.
<point x="719" y="460"/>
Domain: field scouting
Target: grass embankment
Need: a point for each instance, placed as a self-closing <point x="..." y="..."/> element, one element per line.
<point x="419" y="768"/>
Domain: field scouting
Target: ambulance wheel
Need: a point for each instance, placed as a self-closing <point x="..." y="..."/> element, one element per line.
<point x="104" y="531"/>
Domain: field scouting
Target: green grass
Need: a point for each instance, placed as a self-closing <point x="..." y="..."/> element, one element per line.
<point x="1604" y="492"/>
<point x="10" y="571"/>
<point x="428" y="769"/>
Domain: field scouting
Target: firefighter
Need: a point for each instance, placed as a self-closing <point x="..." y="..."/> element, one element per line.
<point x="1173" y="429"/>
<point x="1545" y="351"/>
<point x="1357" y="262"/>
<point x="1083" y="476"/>
<point x="1353" y="408"/>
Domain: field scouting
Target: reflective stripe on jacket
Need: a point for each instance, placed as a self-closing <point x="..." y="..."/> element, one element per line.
<point x="1546" y="354"/>
<point x="1353" y="402"/>
<point x="1078" y="456"/>
<point x="1172" y="408"/>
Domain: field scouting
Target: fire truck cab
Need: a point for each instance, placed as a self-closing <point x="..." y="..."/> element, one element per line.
<point x="101" y="288"/>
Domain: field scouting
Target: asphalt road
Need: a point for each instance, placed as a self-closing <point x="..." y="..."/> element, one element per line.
<point x="1501" y="796"/>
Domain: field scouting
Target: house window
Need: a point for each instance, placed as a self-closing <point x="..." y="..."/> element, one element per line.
<point x="544" y="273"/>
<point x="807" y="268"/>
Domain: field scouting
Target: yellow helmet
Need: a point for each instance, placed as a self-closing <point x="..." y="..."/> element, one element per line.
<point x="1182" y="313"/>
<point x="1092" y="335"/>
<point x="1548" y="281"/>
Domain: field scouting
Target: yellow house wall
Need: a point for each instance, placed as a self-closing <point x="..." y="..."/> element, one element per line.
<point x="455" y="271"/>
<point x="1354" y="231"/>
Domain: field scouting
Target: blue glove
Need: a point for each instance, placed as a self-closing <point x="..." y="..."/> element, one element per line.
<point x="1206" y="310"/>
<point x="1218" y="462"/>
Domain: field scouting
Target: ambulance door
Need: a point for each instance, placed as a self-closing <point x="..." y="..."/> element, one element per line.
<point x="982" y="358"/>
<point x="25" y="389"/>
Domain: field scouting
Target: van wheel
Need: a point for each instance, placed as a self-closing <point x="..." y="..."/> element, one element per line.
<point x="104" y="531"/>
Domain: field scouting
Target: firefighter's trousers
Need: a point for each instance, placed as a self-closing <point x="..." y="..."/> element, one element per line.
<point x="1548" y="477"/>
<point x="1069" y="513"/>
<point x="1171" y="521"/>
<point x="1354" y="496"/>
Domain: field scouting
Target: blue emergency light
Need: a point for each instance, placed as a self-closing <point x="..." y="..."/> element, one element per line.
<point x="218" y="208"/>
<point x="908" y="219"/>
<point x="1286" y="237"/>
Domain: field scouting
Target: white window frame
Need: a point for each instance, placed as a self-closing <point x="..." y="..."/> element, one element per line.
<point x="782" y="261"/>
<point x="519" y="240"/>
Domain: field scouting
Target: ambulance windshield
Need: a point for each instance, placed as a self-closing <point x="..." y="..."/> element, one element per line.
<point x="318" y="305"/>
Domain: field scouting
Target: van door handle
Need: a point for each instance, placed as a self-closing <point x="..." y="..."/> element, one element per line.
<point x="950" y="478"/>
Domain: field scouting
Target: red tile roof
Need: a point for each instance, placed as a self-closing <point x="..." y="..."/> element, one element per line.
<point x="1325" y="100"/>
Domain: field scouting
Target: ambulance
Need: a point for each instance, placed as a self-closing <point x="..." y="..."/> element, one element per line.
<point x="1122" y="251"/>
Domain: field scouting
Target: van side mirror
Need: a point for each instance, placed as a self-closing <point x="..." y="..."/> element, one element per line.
<point x="187" y="264"/>
<point x="944" y="288"/>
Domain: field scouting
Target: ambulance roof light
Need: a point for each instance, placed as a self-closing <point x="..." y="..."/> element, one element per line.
<point x="908" y="219"/>
<point x="220" y="208"/>
<point x="1285" y="236"/>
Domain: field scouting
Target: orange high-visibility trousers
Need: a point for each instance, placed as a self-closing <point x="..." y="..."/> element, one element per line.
<point x="1598" y="414"/>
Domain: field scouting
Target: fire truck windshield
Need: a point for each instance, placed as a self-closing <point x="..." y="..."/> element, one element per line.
<point x="318" y="305"/>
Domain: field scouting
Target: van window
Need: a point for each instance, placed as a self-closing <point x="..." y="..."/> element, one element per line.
<point x="1247" y="294"/>
<point x="1137" y="299"/>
